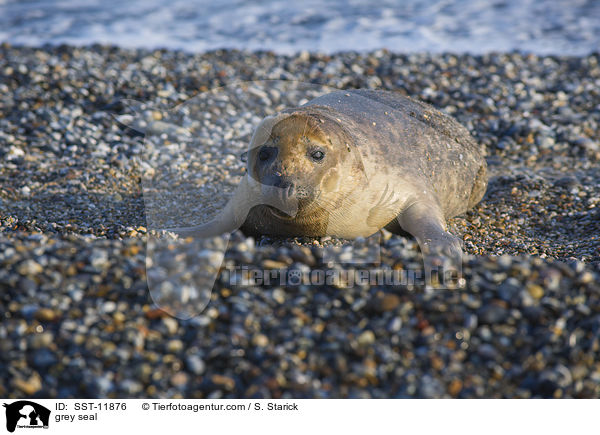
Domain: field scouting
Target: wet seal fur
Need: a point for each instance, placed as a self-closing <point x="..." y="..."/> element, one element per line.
<point x="350" y="163"/>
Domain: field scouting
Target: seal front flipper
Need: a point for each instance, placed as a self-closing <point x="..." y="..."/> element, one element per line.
<point x="248" y="194"/>
<point x="229" y="219"/>
<point x="441" y="250"/>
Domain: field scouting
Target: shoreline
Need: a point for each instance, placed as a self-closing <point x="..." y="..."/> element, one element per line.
<point x="300" y="53"/>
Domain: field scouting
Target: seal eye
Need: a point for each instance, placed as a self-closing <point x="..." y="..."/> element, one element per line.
<point x="265" y="153"/>
<point x="317" y="156"/>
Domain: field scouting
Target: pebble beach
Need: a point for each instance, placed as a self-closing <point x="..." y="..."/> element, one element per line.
<point x="77" y="316"/>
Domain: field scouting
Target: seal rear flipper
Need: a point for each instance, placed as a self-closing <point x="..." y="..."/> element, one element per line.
<point x="441" y="250"/>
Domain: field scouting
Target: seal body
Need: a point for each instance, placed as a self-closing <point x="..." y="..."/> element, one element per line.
<point x="350" y="163"/>
<point x="387" y="153"/>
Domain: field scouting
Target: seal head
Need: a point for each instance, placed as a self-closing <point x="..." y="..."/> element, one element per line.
<point x="306" y="159"/>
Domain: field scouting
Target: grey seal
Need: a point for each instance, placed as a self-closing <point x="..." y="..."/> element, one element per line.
<point x="350" y="163"/>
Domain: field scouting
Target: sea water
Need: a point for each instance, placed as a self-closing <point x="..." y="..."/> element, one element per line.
<point x="539" y="26"/>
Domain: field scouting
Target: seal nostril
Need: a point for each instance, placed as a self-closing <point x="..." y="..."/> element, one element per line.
<point x="290" y="189"/>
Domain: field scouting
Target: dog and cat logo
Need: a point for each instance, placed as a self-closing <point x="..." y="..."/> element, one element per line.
<point x="25" y="414"/>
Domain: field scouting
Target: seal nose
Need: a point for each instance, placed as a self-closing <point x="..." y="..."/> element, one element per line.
<point x="283" y="183"/>
<point x="277" y="179"/>
<point x="287" y="186"/>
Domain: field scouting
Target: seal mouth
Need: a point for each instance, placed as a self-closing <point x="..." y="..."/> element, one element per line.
<point x="284" y="198"/>
<point x="279" y="214"/>
<point x="290" y="201"/>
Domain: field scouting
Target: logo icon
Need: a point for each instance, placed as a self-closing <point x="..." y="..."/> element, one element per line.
<point x="26" y="414"/>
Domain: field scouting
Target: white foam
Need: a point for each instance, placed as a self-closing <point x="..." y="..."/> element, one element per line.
<point x="542" y="26"/>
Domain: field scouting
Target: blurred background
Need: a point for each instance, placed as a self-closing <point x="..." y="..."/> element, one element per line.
<point x="538" y="26"/>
